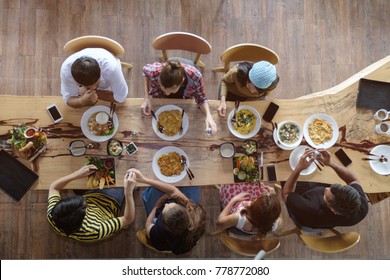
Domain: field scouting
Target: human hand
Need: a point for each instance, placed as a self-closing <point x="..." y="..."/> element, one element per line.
<point x="85" y="171"/>
<point x="139" y="176"/>
<point x="241" y="197"/>
<point x="324" y="157"/>
<point x="90" y="97"/>
<point x="146" y="107"/>
<point x="306" y="159"/>
<point x="210" y="124"/>
<point x="129" y="181"/>
<point x="161" y="200"/>
<point x="222" y="108"/>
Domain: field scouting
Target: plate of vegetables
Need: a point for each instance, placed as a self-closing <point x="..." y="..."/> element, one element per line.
<point x="245" y="169"/>
<point x="104" y="175"/>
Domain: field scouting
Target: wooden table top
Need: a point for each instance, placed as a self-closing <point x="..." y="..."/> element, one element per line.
<point x="356" y="137"/>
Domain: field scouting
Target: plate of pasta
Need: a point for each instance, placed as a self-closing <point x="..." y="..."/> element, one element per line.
<point x="170" y="117"/>
<point x="320" y="131"/>
<point x="167" y="166"/>
<point x="247" y="124"/>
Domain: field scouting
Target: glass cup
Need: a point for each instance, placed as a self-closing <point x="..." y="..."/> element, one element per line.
<point x="383" y="128"/>
<point x="381" y="115"/>
<point x="77" y="148"/>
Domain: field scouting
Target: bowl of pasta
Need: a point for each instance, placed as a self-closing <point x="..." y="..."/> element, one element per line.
<point x="247" y="122"/>
<point x="166" y="164"/>
<point x="96" y="124"/>
<point x="170" y="117"/>
<point x="320" y="131"/>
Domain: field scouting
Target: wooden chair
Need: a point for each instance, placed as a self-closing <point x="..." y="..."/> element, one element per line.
<point x="246" y="52"/>
<point x="94" y="41"/>
<point x="249" y="246"/>
<point x="144" y="239"/>
<point x="182" y="41"/>
<point x="326" y="244"/>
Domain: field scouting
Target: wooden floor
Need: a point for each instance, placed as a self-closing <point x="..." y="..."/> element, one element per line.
<point x="320" y="44"/>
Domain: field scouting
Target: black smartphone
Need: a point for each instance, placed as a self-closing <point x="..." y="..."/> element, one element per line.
<point x="270" y="112"/>
<point x="271" y="173"/>
<point x="343" y="157"/>
<point x="54" y="113"/>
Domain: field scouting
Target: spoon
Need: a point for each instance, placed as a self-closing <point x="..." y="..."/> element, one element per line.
<point x="160" y="127"/>
<point x="189" y="172"/>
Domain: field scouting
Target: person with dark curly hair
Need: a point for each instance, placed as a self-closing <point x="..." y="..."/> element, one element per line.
<point x="176" y="221"/>
<point x="324" y="206"/>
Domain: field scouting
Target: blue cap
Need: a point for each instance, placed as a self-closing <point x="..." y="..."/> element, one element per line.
<point x="262" y="74"/>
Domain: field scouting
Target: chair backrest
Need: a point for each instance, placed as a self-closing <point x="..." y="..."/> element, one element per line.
<point x="248" y="247"/>
<point x="246" y="52"/>
<point x="143" y="238"/>
<point x="94" y="41"/>
<point x="182" y="41"/>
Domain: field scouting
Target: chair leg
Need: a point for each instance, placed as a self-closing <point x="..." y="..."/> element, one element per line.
<point x="219" y="69"/>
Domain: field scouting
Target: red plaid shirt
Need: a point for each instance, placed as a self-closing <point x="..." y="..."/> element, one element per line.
<point x="195" y="85"/>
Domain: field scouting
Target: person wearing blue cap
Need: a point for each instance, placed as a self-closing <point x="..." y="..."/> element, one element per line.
<point x="247" y="81"/>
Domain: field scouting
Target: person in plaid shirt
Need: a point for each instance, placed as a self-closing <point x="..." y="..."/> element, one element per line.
<point x="173" y="79"/>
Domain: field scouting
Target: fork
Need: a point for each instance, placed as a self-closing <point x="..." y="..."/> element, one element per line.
<point x="236" y="105"/>
<point x="181" y="127"/>
<point x="160" y="127"/>
<point x="111" y="114"/>
<point x="183" y="160"/>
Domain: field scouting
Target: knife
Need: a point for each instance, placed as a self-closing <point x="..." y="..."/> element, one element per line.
<point x="261" y="166"/>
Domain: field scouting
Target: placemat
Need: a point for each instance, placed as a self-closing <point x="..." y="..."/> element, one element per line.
<point x="373" y="95"/>
<point x="15" y="178"/>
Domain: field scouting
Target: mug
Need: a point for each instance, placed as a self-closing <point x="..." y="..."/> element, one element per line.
<point x="383" y="128"/>
<point x="381" y="115"/>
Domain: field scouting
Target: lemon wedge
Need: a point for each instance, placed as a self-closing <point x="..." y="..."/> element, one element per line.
<point x="101" y="118"/>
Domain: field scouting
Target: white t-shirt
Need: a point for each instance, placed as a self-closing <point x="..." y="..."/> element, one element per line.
<point x="111" y="76"/>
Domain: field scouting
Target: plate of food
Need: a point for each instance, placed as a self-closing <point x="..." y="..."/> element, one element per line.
<point x="320" y="131"/>
<point x="295" y="156"/>
<point x="245" y="169"/>
<point x="289" y="134"/>
<point x="382" y="167"/>
<point x="114" y="147"/>
<point x="104" y="175"/>
<point x="170" y="117"/>
<point x="167" y="166"/>
<point x="247" y="124"/>
<point x="96" y="124"/>
<point x="28" y="141"/>
<point x="249" y="147"/>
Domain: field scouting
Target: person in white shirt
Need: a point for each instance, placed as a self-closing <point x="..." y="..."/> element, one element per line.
<point x="92" y="74"/>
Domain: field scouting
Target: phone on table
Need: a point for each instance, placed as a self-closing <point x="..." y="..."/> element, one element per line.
<point x="271" y="171"/>
<point x="270" y="112"/>
<point x="54" y="113"/>
<point x="343" y="157"/>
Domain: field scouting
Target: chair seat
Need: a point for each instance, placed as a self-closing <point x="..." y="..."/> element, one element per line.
<point x="332" y="244"/>
<point x="143" y="238"/>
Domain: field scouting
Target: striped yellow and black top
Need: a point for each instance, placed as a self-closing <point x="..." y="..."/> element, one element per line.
<point x="100" y="221"/>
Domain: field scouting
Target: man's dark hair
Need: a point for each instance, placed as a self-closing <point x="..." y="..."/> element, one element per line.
<point x="86" y="71"/>
<point x="346" y="199"/>
<point x="68" y="214"/>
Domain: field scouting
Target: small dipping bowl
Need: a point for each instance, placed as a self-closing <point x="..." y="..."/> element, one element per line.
<point x="114" y="147"/>
<point x="77" y="148"/>
<point x="131" y="148"/>
<point x="227" y="150"/>
<point x="30" y="131"/>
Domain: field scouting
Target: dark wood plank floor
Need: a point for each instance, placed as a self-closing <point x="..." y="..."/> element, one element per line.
<point x="320" y="44"/>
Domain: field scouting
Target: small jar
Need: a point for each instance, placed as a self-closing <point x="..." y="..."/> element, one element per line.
<point x="227" y="150"/>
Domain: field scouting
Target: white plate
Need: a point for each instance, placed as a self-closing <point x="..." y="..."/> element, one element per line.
<point x="280" y="145"/>
<point x="84" y="123"/>
<point x="295" y="156"/>
<point x="257" y="125"/>
<point x="335" y="128"/>
<point x="156" y="168"/>
<point x="382" y="168"/>
<point x="162" y="135"/>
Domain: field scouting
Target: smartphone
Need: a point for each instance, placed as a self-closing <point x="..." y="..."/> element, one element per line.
<point x="271" y="173"/>
<point x="54" y="113"/>
<point x="270" y="112"/>
<point x="343" y="157"/>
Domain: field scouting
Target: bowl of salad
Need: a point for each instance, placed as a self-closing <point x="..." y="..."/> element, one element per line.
<point x="289" y="134"/>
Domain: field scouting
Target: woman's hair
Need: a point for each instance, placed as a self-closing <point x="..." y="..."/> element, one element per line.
<point x="263" y="212"/>
<point x="68" y="213"/>
<point x="186" y="222"/>
<point x="86" y="71"/>
<point x="172" y="74"/>
<point x="243" y="69"/>
<point x="346" y="199"/>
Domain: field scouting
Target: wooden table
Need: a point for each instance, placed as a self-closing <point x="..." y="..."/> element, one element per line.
<point x="356" y="136"/>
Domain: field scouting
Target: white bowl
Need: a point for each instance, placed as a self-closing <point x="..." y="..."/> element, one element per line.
<point x="253" y="132"/>
<point x="324" y="145"/>
<point x="298" y="140"/>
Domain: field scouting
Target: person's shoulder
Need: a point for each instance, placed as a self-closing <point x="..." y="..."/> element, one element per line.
<point x="193" y="71"/>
